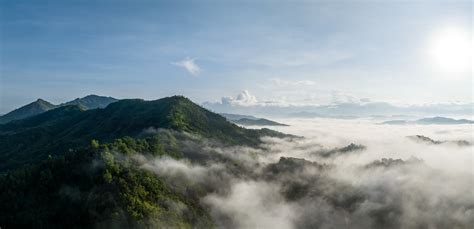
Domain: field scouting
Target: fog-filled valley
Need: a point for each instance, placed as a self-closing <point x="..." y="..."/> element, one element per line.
<point x="390" y="141"/>
<point x="342" y="174"/>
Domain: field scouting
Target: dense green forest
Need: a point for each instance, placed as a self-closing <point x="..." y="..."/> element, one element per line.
<point x="99" y="186"/>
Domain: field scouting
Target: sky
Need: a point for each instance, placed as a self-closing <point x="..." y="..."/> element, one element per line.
<point x="282" y="52"/>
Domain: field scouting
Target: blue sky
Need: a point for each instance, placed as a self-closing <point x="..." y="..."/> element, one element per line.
<point x="287" y="52"/>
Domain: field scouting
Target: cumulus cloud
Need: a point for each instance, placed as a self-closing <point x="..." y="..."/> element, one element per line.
<point x="242" y="99"/>
<point x="188" y="64"/>
<point x="246" y="99"/>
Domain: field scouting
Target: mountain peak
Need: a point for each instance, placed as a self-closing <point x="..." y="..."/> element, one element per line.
<point x="37" y="107"/>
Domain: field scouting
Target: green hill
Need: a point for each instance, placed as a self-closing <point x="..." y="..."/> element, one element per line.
<point x="66" y="128"/>
<point x="37" y="107"/>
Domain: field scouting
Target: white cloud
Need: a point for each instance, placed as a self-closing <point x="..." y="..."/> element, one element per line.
<point x="360" y="187"/>
<point x="189" y="65"/>
<point x="244" y="98"/>
<point x="253" y="205"/>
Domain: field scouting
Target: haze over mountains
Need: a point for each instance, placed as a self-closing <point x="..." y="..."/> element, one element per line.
<point x="245" y="103"/>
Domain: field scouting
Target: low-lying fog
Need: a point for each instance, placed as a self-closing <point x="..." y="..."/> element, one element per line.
<point x="388" y="141"/>
<point x="339" y="184"/>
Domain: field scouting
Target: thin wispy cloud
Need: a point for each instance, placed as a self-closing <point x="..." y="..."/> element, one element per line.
<point x="189" y="65"/>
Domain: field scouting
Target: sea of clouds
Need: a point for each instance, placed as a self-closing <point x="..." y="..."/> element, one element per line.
<point x="383" y="180"/>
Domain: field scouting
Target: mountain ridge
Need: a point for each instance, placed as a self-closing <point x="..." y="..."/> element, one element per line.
<point x="40" y="106"/>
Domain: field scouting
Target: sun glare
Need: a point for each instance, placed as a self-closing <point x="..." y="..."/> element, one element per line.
<point x="451" y="50"/>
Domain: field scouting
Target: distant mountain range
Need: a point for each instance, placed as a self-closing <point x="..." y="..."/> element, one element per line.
<point x="431" y="121"/>
<point x="39" y="106"/>
<point x="248" y="120"/>
<point x="307" y="114"/>
<point x="340" y="110"/>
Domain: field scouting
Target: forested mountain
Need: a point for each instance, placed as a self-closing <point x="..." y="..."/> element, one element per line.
<point x="68" y="127"/>
<point x="40" y="106"/>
